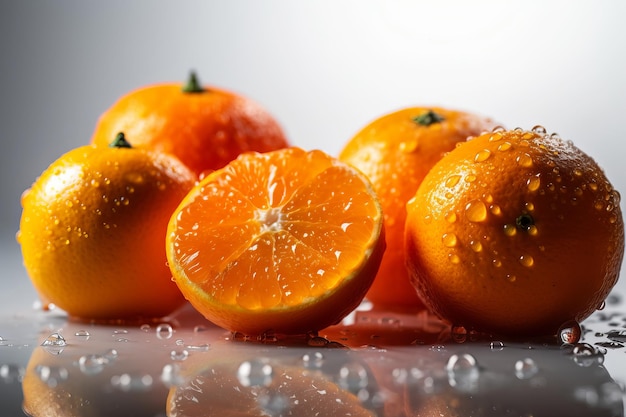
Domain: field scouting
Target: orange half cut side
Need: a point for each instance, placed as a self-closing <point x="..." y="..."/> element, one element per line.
<point x="287" y="241"/>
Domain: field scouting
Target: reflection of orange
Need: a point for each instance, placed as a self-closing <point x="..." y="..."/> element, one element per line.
<point x="274" y="389"/>
<point x="395" y="151"/>
<point x="205" y="127"/>
<point x="515" y="232"/>
<point x="83" y="380"/>
<point x="287" y="241"/>
<point x="92" y="231"/>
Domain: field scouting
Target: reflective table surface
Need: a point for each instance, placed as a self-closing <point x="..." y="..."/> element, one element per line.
<point x="375" y="363"/>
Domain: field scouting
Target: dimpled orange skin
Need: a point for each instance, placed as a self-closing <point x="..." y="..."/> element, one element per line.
<point x="205" y="130"/>
<point x="92" y="232"/>
<point x="515" y="233"/>
<point x="396" y="152"/>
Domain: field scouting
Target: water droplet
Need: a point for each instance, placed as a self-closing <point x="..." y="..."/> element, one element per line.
<point x="256" y="372"/>
<point x="482" y="155"/>
<point x="476" y="246"/>
<point x="463" y="372"/>
<point x="164" y="331"/>
<point x="200" y="348"/>
<point x="110" y="355"/>
<point x="459" y="333"/>
<point x="525" y="368"/>
<point x="570" y="332"/>
<point x="495" y="209"/>
<point x="273" y="404"/>
<point x="10" y="373"/>
<point x="352" y="377"/>
<point x="454" y="258"/>
<point x="313" y="360"/>
<point x="145" y="327"/>
<point x="200" y="328"/>
<point x="317" y="341"/>
<point x="127" y="382"/>
<point x="52" y="375"/>
<point x="171" y="375"/>
<point x="409" y="145"/>
<point x="505" y="146"/>
<point x="496" y="137"/>
<point x="179" y="355"/>
<point x="496" y="345"/>
<point x="452" y="180"/>
<point x="451" y="217"/>
<point x="496" y="262"/>
<point x="470" y="178"/>
<point x="538" y="129"/>
<point x="54" y="343"/>
<point x="449" y="240"/>
<point x="599" y="205"/>
<point x="84" y="334"/>
<point x="617" y="335"/>
<point x="526" y="260"/>
<point x="511" y="278"/>
<point x="91" y="364"/>
<point x="586" y="355"/>
<point x="533" y="183"/>
<point x="510" y="230"/>
<point x="476" y="211"/>
<point x="524" y="160"/>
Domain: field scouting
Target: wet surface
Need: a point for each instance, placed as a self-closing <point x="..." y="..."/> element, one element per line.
<point x="376" y="363"/>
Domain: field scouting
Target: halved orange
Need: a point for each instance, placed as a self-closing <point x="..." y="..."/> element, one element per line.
<point x="287" y="242"/>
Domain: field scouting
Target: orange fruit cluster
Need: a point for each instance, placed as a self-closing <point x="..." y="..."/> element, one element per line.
<point x="508" y="232"/>
<point x="92" y="231"/>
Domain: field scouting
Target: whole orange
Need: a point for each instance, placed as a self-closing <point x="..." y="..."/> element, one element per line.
<point x="515" y="232"/>
<point x="92" y="231"/>
<point x="396" y="151"/>
<point x="285" y="242"/>
<point x="203" y="126"/>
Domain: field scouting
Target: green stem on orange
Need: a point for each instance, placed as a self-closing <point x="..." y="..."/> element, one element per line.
<point x="524" y="221"/>
<point x="193" y="85"/>
<point x="428" y="118"/>
<point x="120" y="141"/>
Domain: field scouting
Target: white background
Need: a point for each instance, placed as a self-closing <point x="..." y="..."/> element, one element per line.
<point x="323" y="68"/>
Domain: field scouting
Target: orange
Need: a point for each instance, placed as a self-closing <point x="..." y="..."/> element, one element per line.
<point x="205" y="127"/>
<point x="285" y="242"/>
<point x="515" y="233"/>
<point x="396" y="151"/>
<point x="92" y="231"/>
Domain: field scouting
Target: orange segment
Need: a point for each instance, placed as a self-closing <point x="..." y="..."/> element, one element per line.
<point x="287" y="241"/>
